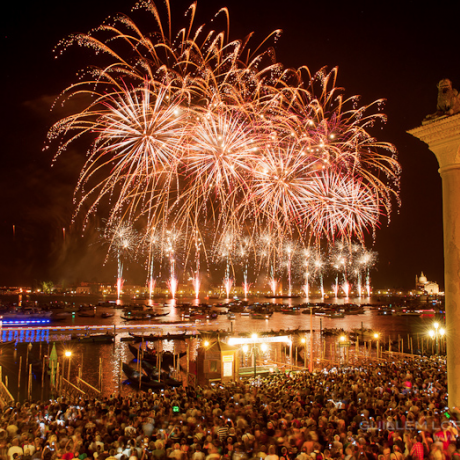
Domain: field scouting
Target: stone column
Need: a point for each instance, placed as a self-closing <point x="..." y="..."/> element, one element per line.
<point x="443" y="138"/>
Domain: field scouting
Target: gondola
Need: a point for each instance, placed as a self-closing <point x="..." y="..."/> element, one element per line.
<point x="152" y="372"/>
<point x="87" y="314"/>
<point x="146" y="382"/>
<point x="95" y="338"/>
<point x="107" y="315"/>
<point x="167" y="358"/>
<point x="146" y="338"/>
<point x="158" y="315"/>
<point x="152" y="338"/>
<point x="137" y="317"/>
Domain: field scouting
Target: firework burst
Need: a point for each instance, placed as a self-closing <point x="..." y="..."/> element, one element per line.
<point x="194" y="131"/>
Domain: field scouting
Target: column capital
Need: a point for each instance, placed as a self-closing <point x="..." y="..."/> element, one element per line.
<point x="443" y="138"/>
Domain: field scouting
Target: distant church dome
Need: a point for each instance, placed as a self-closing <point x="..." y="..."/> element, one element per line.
<point x="422" y="279"/>
<point x="428" y="287"/>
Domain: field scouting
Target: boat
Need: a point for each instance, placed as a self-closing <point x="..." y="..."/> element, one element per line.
<point x="354" y="311"/>
<point x="259" y="315"/>
<point x="408" y="313"/>
<point x="151" y="337"/>
<point x="337" y="314"/>
<point x="107" y="315"/>
<point x="167" y="358"/>
<point x="158" y="315"/>
<point x="145" y="382"/>
<point x="332" y="331"/>
<point x="87" y="314"/>
<point x="93" y="338"/>
<point x="141" y="316"/>
<point x="26" y="314"/>
<point x="152" y="373"/>
<point x="61" y="315"/>
<point x="291" y="311"/>
<point x="183" y="306"/>
<point x="9" y="343"/>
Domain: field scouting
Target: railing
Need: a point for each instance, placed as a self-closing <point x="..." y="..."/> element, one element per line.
<point x="88" y="389"/>
<point x="191" y="380"/>
<point x="6" y="398"/>
<point x="69" y="390"/>
<point x="260" y="370"/>
<point x="177" y="375"/>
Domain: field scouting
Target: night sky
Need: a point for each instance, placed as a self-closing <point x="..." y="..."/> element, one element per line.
<point x="397" y="53"/>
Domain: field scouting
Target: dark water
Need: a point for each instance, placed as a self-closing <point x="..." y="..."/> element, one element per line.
<point x="87" y="355"/>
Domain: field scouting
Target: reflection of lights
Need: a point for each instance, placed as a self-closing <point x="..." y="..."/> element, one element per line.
<point x="25" y="322"/>
<point x="243" y="341"/>
<point x="442" y="331"/>
<point x="245" y="348"/>
<point x="431" y="333"/>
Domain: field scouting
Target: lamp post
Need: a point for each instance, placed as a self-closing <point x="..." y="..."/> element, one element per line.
<point x="304" y="341"/>
<point x="436" y="333"/>
<point x="68" y="354"/>
<point x="254" y="350"/>
<point x="342" y="339"/>
<point x="377" y="337"/>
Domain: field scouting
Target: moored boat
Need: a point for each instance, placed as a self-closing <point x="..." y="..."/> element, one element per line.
<point x="259" y="315"/>
<point x="106" y="315"/>
<point x="93" y="338"/>
<point x="336" y="314"/>
<point x="144" y="381"/>
<point x="291" y="311"/>
<point x="87" y="314"/>
<point x="408" y="313"/>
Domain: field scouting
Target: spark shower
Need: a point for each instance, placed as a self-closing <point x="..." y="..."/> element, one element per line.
<point x="198" y="134"/>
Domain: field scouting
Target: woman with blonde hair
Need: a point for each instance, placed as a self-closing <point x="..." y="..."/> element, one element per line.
<point x="272" y="453"/>
<point x="159" y="452"/>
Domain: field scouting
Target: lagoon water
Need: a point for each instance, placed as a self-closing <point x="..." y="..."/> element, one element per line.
<point x="87" y="355"/>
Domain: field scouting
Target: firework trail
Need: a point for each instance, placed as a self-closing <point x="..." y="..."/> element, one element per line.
<point x="307" y="259"/>
<point x="196" y="277"/>
<point x="151" y="241"/>
<point x="243" y="256"/>
<point x="193" y="130"/>
<point x="123" y="242"/>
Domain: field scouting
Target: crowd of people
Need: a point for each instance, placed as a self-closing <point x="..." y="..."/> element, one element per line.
<point x="391" y="411"/>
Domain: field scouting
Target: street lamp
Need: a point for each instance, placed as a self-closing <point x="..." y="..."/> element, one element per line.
<point x="436" y="333"/>
<point x="304" y="341"/>
<point x="342" y="345"/>
<point x="254" y="350"/>
<point x="377" y="337"/>
<point x="68" y="354"/>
